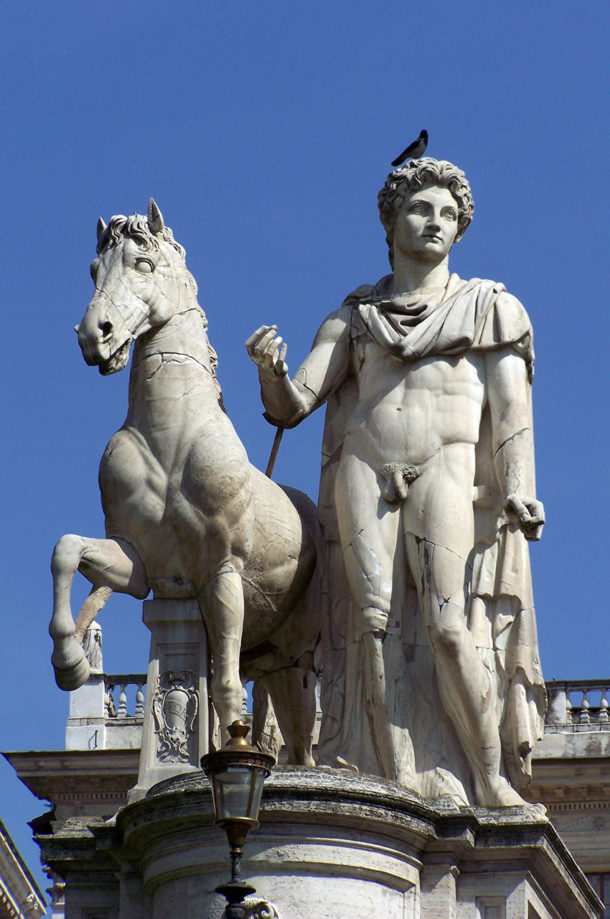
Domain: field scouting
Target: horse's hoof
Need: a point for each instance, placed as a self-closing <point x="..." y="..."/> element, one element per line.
<point x="72" y="677"/>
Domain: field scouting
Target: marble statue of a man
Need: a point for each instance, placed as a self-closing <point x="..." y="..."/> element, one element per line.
<point x="428" y="488"/>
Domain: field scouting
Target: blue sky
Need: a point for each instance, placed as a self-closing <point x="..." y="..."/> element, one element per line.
<point x="264" y="131"/>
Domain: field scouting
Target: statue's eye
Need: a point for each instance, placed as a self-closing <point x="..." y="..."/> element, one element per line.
<point x="93" y="269"/>
<point x="144" y="265"/>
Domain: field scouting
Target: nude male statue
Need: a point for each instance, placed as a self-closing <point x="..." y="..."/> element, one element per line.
<point x="434" y="359"/>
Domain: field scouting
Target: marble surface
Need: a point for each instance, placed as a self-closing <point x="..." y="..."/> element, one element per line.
<point x="431" y="672"/>
<point x="187" y="516"/>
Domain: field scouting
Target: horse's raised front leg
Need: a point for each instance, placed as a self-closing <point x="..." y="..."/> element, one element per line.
<point x="222" y="607"/>
<point x="105" y="563"/>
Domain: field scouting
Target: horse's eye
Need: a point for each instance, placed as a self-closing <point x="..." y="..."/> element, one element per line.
<point x="144" y="265"/>
<point x="93" y="269"/>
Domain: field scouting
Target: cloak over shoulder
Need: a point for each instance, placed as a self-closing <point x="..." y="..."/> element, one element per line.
<point x="473" y="315"/>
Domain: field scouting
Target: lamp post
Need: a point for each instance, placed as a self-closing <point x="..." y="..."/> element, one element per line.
<point x="237" y="773"/>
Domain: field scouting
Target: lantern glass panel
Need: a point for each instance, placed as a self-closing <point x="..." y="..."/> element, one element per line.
<point x="237" y="792"/>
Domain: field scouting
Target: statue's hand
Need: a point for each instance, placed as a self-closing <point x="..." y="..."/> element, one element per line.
<point x="528" y="512"/>
<point x="268" y="350"/>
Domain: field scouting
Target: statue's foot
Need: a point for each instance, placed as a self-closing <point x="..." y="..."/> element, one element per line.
<point x="506" y="796"/>
<point x="500" y="793"/>
<point x="71" y="671"/>
<point x="341" y="763"/>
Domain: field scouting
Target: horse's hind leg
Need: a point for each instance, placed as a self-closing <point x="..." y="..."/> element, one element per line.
<point x="293" y="694"/>
<point x="105" y="563"/>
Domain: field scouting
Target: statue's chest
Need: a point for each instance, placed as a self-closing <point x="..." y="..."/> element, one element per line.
<point x="380" y="374"/>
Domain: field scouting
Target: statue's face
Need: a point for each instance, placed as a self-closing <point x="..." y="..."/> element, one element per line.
<point x="427" y="224"/>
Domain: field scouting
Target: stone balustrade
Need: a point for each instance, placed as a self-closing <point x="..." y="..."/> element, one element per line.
<point x="573" y="704"/>
<point x="577" y="705"/>
<point x="120" y="689"/>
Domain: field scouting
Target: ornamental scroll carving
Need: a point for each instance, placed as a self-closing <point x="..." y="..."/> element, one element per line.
<point x="175" y="707"/>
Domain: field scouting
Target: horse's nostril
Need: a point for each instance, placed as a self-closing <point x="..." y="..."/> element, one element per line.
<point x="106" y="329"/>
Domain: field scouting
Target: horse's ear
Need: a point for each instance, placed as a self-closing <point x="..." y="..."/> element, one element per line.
<point x="155" y="217"/>
<point x="101" y="229"/>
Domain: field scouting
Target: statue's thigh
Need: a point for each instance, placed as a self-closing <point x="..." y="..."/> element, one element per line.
<point x="439" y="535"/>
<point x="368" y="527"/>
<point x="360" y="507"/>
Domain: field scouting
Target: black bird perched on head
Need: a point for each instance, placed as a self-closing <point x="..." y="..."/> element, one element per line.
<point x="414" y="150"/>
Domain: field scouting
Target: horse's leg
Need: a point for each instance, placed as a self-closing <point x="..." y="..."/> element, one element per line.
<point x="222" y="606"/>
<point x="105" y="563"/>
<point x="293" y="694"/>
<point x="266" y="734"/>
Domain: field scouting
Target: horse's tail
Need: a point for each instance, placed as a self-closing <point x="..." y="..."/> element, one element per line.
<point x="96" y="601"/>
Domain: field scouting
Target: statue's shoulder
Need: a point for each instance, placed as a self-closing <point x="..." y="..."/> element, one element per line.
<point x="359" y="295"/>
<point x="506" y="306"/>
<point x="501" y="321"/>
<point x="505" y="299"/>
<point x="511" y="313"/>
<point x="364" y="294"/>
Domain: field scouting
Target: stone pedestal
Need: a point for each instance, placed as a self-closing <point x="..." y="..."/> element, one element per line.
<point x="176" y="729"/>
<point x="86" y="727"/>
<point x="331" y="845"/>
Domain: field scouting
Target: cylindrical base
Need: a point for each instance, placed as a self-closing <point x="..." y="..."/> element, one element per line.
<point x="331" y="845"/>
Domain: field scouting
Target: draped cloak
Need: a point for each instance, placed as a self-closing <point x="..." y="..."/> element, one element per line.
<point x="476" y="315"/>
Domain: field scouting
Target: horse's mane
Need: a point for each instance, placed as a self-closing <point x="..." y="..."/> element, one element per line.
<point x="136" y="227"/>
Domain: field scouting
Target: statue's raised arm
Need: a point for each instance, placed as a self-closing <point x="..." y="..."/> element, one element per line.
<point x="286" y="400"/>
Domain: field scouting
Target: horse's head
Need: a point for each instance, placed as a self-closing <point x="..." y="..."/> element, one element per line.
<point x="140" y="281"/>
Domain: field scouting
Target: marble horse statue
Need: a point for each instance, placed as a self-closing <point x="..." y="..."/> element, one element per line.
<point x="186" y="513"/>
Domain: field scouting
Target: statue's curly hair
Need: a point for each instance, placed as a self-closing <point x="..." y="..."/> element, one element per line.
<point x="415" y="174"/>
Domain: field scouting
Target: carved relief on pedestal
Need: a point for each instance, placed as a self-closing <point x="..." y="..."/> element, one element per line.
<point x="175" y="707"/>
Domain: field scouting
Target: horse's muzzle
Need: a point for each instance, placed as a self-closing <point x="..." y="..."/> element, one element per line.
<point x="103" y="336"/>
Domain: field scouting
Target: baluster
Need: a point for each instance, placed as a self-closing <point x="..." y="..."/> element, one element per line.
<point x="585" y="717"/>
<point x="122" y="712"/>
<point x="603" y="707"/>
<point x="139" y="712"/>
<point x="569" y="716"/>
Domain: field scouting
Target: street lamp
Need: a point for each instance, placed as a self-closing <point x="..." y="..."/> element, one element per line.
<point x="237" y="773"/>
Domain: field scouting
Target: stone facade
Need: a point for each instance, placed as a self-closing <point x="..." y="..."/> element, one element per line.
<point x="20" y="897"/>
<point x="572" y="774"/>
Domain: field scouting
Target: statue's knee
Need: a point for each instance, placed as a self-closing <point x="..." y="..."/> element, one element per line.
<point x="226" y="690"/>
<point x="66" y="553"/>
<point x="446" y="639"/>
